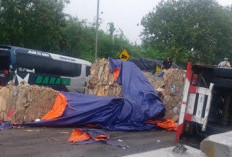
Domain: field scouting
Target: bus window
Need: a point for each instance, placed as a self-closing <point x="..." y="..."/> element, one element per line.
<point x="46" y="65"/>
<point x="87" y="70"/>
<point x="4" y="59"/>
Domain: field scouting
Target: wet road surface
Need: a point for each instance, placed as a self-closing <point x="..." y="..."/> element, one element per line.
<point x="52" y="142"/>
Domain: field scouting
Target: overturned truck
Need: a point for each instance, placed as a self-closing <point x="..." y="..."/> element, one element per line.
<point x="206" y="105"/>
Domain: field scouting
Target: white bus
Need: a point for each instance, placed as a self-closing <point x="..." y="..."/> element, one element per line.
<point x="42" y="68"/>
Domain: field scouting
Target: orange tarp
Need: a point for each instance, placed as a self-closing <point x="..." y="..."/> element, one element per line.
<point x="168" y="125"/>
<point x="78" y="136"/>
<point x="57" y="109"/>
<point x="116" y="73"/>
<point x="101" y="138"/>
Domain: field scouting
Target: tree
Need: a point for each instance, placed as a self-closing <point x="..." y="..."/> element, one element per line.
<point x="32" y="23"/>
<point x="77" y="39"/>
<point x="189" y="30"/>
<point x="42" y="25"/>
<point x="111" y="29"/>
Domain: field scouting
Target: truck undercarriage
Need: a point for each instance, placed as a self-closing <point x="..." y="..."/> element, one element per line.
<point x="206" y="85"/>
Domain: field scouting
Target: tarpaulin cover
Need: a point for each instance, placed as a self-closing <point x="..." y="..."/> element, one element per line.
<point x="160" y="74"/>
<point x="139" y="104"/>
<point x="148" y="65"/>
<point x="89" y="136"/>
<point x="169" y="124"/>
<point x="5" y="125"/>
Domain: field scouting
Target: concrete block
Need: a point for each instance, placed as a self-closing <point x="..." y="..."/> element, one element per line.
<point x="218" y="145"/>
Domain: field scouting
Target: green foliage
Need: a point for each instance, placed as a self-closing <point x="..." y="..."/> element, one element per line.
<point x="42" y="25"/>
<point x="77" y="39"/>
<point x="30" y="23"/>
<point x="189" y="30"/>
<point x="111" y="29"/>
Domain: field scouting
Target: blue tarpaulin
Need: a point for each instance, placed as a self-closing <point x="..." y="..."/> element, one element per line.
<point x="160" y="74"/>
<point x="5" y="125"/>
<point x="89" y="136"/>
<point x="139" y="103"/>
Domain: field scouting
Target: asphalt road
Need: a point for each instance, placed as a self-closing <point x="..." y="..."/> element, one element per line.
<point x="52" y="142"/>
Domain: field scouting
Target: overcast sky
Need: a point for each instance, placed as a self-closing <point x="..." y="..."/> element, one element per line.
<point x="125" y="14"/>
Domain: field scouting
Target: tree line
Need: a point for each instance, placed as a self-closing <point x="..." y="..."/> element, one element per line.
<point x="43" y="25"/>
<point x="187" y="30"/>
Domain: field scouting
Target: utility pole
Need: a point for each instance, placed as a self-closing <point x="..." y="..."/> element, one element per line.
<point x="97" y="26"/>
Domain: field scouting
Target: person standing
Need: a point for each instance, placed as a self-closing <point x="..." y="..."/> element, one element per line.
<point x="224" y="63"/>
<point x="167" y="63"/>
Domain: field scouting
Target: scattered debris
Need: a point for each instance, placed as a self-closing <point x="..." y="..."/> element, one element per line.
<point x="29" y="130"/>
<point x="37" y="120"/>
<point x="167" y="152"/>
<point x="180" y="148"/>
<point x="167" y="124"/>
<point x="156" y="82"/>
<point x="170" y="89"/>
<point x="88" y="136"/>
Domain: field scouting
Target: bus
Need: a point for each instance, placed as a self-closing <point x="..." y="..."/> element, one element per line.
<point x="34" y="67"/>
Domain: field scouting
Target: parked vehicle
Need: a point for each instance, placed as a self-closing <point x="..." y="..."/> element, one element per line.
<point x="206" y="107"/>
<point x="42" y="68"/>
